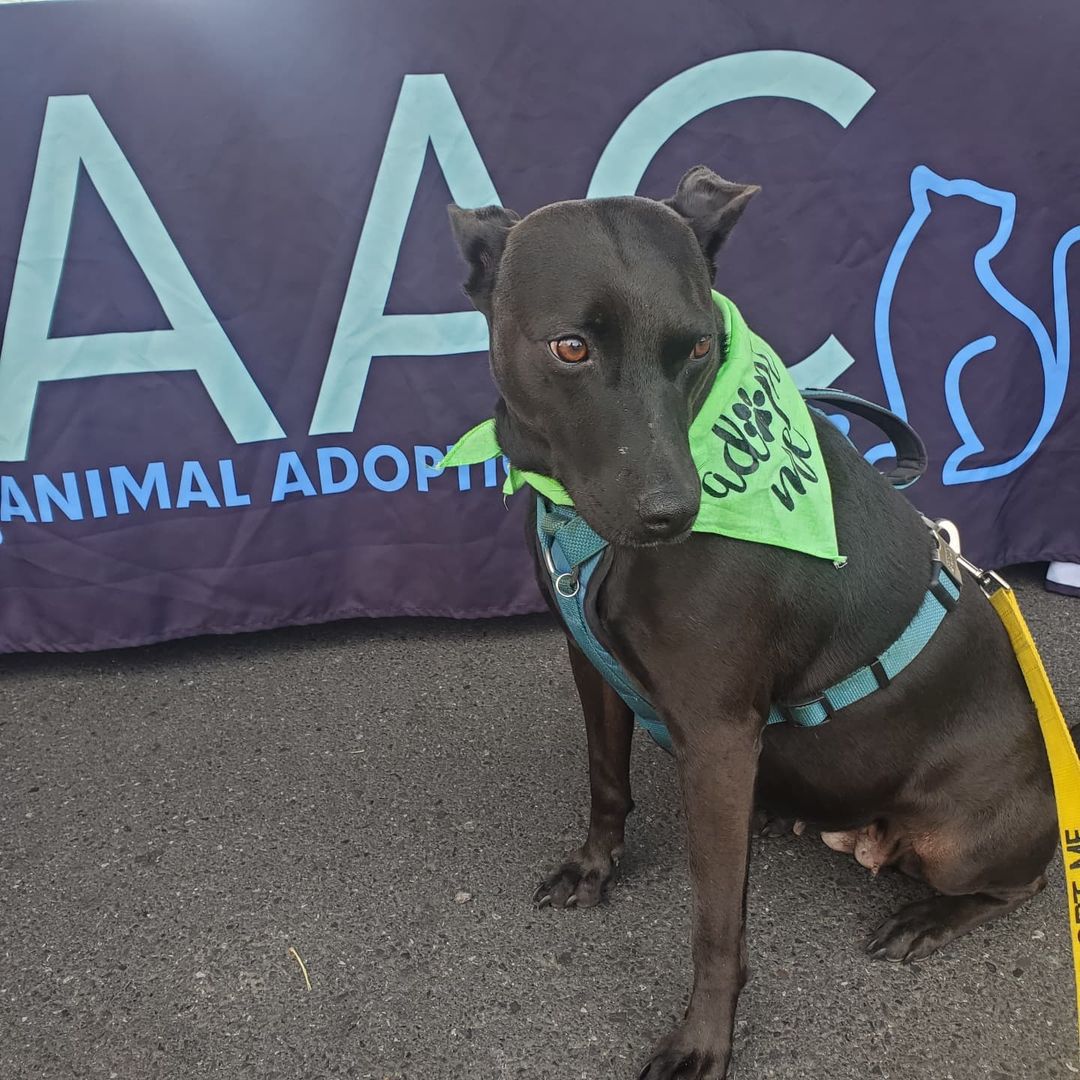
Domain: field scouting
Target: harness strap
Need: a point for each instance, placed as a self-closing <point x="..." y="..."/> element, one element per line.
<point x="578" y="542"/>
<point x="939" y="600"/>
<point x="572" y="551"/>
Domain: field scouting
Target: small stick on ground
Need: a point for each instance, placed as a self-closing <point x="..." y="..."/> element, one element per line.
<point x="303" y="967"/>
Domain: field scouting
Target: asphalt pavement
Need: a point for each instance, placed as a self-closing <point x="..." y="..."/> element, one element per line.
<point x="381" y="797"/>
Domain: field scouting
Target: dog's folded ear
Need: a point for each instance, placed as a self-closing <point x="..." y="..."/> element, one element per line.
<point x="481" y="235"/>
<point x="710" y="205"/>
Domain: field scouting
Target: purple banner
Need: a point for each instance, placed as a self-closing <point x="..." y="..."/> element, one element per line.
<point x="236" y="345"/>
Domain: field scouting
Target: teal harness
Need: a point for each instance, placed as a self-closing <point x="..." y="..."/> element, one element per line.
<point x="572" y="551"/>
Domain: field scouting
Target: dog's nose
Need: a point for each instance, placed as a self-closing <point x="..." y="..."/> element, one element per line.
<point x="665" y="515"/>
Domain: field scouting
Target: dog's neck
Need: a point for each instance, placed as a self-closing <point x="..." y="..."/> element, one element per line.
<point x="526" y="447"/>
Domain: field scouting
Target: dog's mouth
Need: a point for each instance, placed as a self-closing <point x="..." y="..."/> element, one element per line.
<point x="633" y="538"/>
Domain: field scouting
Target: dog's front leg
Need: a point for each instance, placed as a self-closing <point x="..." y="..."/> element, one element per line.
<point x="717" y="765"/>
<point x="609" y="724"/>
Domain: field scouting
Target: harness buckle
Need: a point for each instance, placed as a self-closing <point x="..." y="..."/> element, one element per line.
<point x="789" y="714"/>
<point x="879" y="673"/>
<point x="942" y="594"/>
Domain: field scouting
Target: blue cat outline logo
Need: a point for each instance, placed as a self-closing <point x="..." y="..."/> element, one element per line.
<point x="1053" y="355"/>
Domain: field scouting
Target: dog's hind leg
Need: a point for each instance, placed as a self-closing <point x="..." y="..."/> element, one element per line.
<point x="977" y="874"/>
<point x="921" y="928"/>
<point x="609" y="724"/>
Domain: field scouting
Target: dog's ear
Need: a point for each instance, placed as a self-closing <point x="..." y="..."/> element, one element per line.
<point x="710" y="205"/>
<point x="481" y="235"/>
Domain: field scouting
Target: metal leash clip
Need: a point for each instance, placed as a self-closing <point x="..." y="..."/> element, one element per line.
<point x="989" y="581"/>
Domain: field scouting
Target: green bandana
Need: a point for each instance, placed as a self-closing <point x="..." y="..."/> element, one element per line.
<point x="753" y="442"/>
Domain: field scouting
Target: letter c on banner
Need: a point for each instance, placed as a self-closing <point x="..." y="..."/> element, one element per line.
<point x="799" y="76"/>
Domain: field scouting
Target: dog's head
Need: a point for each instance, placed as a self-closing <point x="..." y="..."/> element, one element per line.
<point x="604" y="343"/>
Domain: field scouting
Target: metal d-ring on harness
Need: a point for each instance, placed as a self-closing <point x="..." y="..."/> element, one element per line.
<point x="572" y="551"/>
<point x="566" y="584"/>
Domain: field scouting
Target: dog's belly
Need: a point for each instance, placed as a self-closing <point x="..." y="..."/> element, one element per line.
<point x="833" y="780"/>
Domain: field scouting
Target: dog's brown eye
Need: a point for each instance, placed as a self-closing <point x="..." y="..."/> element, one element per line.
<point x="571" y="350"/>
<point x="703" y="345"/>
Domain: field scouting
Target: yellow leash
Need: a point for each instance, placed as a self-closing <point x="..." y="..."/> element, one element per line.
<point x="1060" y="749"/>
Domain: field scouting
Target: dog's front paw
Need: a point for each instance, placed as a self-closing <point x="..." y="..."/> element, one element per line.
<point x="580" y="881"/>
<point x="689" y="1053"/>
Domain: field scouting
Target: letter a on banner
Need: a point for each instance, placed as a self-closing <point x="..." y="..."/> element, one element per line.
<point x="75" y="132"/>
<point x="426" y="111"/>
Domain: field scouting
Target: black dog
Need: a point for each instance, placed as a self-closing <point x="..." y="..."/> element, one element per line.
<point x="594" y="309"/>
